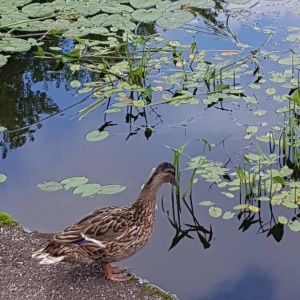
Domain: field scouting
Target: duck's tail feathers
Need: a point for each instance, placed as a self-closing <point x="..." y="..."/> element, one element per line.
<point x="46" y="258"/>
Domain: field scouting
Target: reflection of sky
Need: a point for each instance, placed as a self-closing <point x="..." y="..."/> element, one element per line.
<point x="237" y="266"/>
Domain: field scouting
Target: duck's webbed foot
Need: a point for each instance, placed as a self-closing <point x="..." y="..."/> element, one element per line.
<point x="116" y="273"/>
<point x="119" y="269"/>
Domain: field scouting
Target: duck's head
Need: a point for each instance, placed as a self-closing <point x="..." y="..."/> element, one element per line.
<point x="165" y="173"/>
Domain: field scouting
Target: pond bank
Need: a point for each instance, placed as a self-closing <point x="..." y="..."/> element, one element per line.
<point x="24" y="278"/>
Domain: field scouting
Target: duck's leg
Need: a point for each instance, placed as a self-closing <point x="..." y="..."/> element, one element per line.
<point x="111" y="275"/>
<point x="118" y="269"/>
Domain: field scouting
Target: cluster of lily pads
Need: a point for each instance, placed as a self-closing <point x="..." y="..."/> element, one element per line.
<point x="258" y="181"/>
<point x="73" y="19"/>
<point x="81" y="187"/>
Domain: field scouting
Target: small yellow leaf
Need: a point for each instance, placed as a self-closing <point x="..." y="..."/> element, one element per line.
<point x="254" y="208"/>
<point x="180" y="63"/>
<point x="159" y="88"/>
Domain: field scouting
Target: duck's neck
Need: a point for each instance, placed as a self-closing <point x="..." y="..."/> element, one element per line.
<point x="146" y="199"/>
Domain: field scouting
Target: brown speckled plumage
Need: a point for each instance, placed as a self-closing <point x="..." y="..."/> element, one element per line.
<point x="112" y="233"/>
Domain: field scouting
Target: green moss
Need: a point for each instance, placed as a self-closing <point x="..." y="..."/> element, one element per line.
<point x="6" y="219"/>
<point x="152" y="290"/>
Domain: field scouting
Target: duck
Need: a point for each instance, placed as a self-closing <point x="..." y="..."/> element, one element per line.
<point x="110" y="234"/>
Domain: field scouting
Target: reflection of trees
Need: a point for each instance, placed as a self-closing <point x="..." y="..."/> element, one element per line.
<point x="20" y="106"/>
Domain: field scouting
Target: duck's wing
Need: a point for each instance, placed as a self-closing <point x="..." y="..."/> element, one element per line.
<point x="99" y="227"/>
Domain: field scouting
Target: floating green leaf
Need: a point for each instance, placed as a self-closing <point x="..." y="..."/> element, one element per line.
<point x="8" y="44"/>
<point x="263" y="198"/>
<point x="254" y="208"/>
<point x="228" y="215"/>
<point x="294" y="37"/>
<point x="75" y="84"/>
<point x="175" y="19"/>
<point x="229" y="195"/>
<point x="215" y="211"/>
<point x="252" y="129"/>
<point x="205" y="4"/>
<point x="112" y="110"/>
<point x="96" y="135"/>
<point x="144" y="3"/>
<point x="286" y="171"/>
<point x="50" y="186"/>
<point x="87" y="190"/>
<point x="147" y="15"/>
<point x="260" y="113"/>
<point x="138" y="103"/>
<point x="241" y="206"/>
<point x="111" y="189"/>
<point x="206" y="203"/>
<point x="238" y="1"/>
<point x="38" y="10"/>
<point x="254" y="86"/>
<point x="282" y="220"/>
<point x="290" y="204"/>
<point x="3" y="177"/>
<point x="291" y="60"/>
<point x="294" y="225"/>
<point x="73" y="182"/>
<point x="271" y="91"/>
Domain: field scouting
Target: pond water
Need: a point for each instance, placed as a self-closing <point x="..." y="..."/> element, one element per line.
<point x="238" y="265"/>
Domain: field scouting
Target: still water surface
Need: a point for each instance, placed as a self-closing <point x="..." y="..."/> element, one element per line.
<point x="237" y="265"/>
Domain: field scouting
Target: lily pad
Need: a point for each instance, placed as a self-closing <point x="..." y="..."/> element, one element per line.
<point x="286" y="171"/>
<point x="175" y="19"/>
<point x="252" y="129"/>
<point x="111" y="189"/>
<point x="87" y="190"/>
<point x="228" y="215"/>
<point x="294" y="225"/>
<point x="144" y="3"/>
<point x="73" y="182"/>
<point x="206" y="203"/>
<point x="229" y="195"/>
<point x="146" y="15"/>
<point x="50" y="186"/>
<point x="282" y="220"/>
<point x="3" y="177"/>
<point x="215" y="211"/>
<point x="14" y="45"/>
<point x="138" y="103"/>
<point x="112" y="110"/>
<point x="254" y="208"/>
<point x="96" y="135"/>
<point x="271" y="91"/>
<point x="241" y="206"/>
<point x="290" y="204"/>
<point x="291" y="60"/>
<point x="38" y="10"/>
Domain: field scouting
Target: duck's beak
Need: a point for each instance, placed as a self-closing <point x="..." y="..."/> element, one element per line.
<point x="174" y="182"/>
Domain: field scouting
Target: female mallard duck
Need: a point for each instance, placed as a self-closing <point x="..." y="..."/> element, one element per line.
<point x="112" y="233"/>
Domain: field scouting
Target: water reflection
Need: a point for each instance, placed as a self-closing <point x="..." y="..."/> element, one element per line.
<point x="237" y="265"/>
<point x="253" y="284"/>
<point x="20" y="105"/>
<point x="182" y="229"/>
